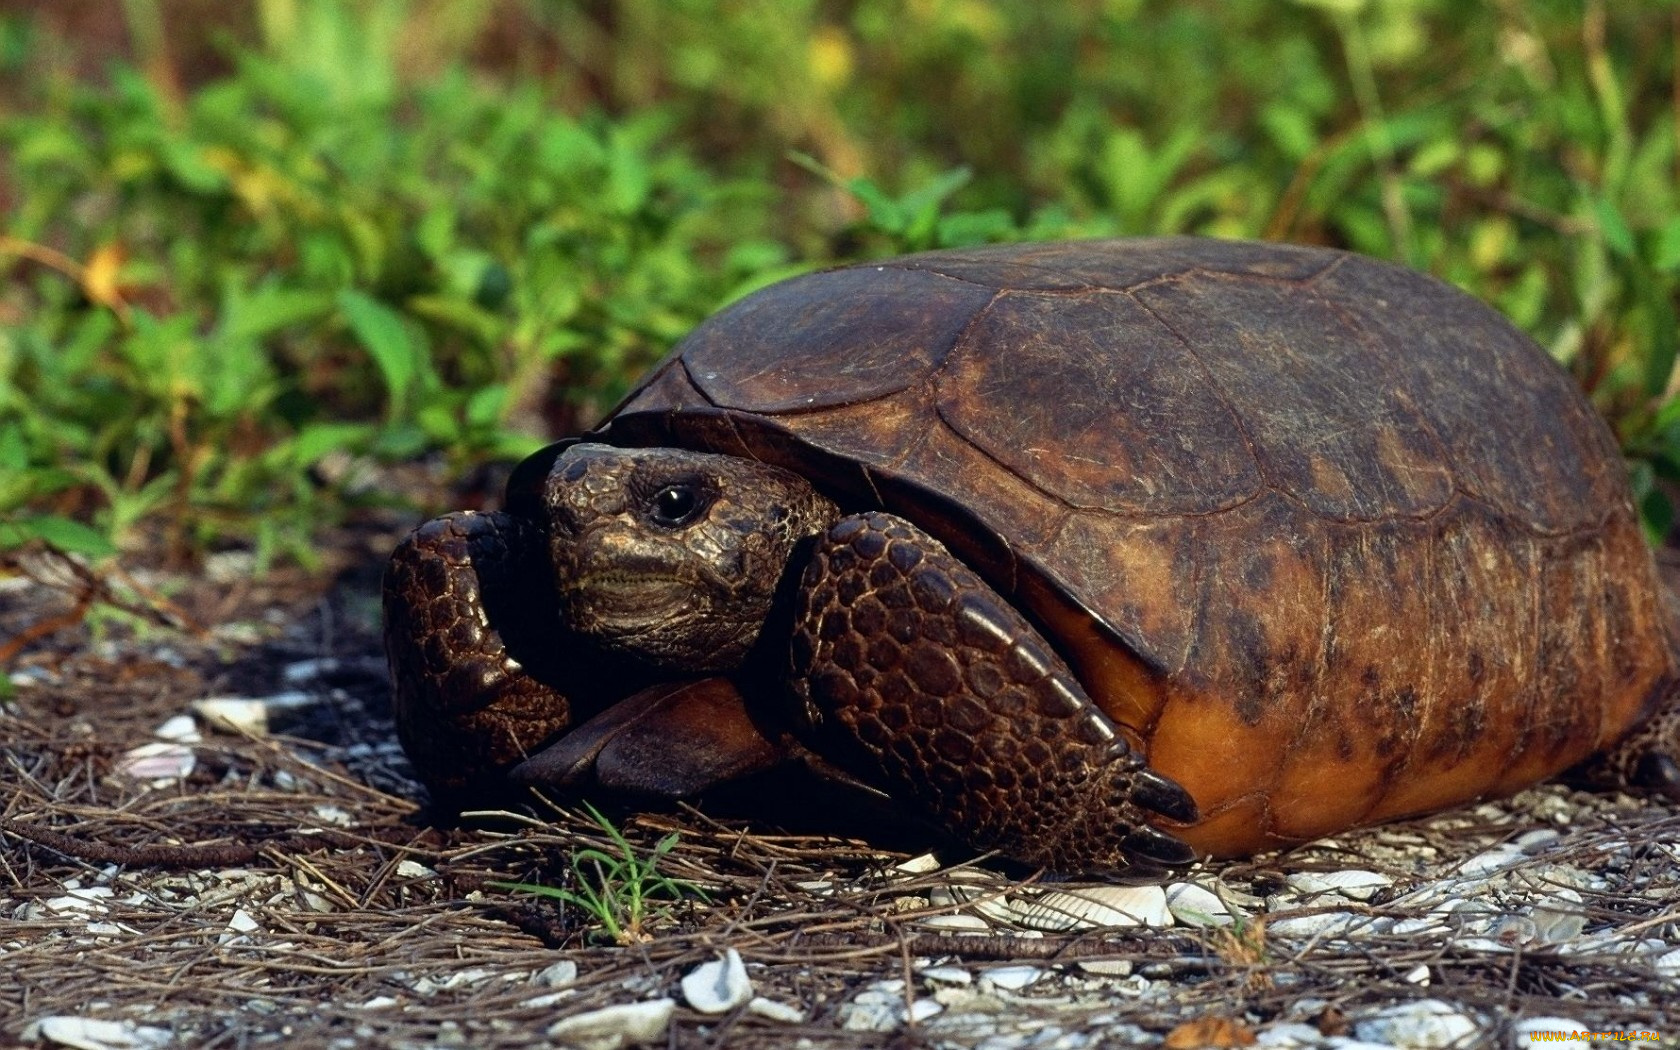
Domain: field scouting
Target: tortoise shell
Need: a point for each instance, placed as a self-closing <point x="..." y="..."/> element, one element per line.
<point x="1330" y="540"/>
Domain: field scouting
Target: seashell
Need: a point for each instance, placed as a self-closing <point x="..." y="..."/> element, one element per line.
<point x="612" y="1027"/>
<point x="1012" y="978"/>
<point x="1320" y="924"/>
<point x="771" y="1010"/>
<point x="958" y="923"/>
<point x="1195" y="905"/>
<point x="1094" y="906"/>
<point x="919" y="865"/>
<point x="157" y="762"/>
<point x="1355" y="884"/>
<point x="1427" y="1024"/>
<point x="718" y="986"/>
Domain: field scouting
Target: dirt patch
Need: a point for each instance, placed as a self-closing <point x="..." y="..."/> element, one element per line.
<point x="290" y="886"/>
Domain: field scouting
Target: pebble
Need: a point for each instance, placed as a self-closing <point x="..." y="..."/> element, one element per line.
<point x="771" y="1010"/>
<point x="1560" y="918"/>
<point x="87" y="1033"/>
<point x="1289" y="1034"/>
<point x="718" y="986"/>
<point x="1524" y="1031"/>
<point x="180" y="729"/>
<point x="1012" y="978"/>
<point x="1427" y="1024"/>
<point x="557" y="975"/>
<point x="1668" y="964"/>
<point x="1094" y="906"/>
<point x="612" y="1027"/>
<point x="946" y="975"/>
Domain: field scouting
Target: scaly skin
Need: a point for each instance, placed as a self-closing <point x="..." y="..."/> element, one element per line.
<point x="916" y="675"/>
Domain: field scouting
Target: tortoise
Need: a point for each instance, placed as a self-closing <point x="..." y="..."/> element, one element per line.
<point x="1099" y="554"/>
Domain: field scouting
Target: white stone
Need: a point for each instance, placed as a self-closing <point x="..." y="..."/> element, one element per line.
<point x="1418" y="975"/>
<point x="1107" y="967"/>
<point x="946" y="975"/>
<point x="1012" y="978"/>
<point x="1427" y="1024"/>
<point x="1668" y="963"/>
<point x="1195" y="905"/>
<point x="1536" y="841"/>
<point x="612" y="1027"/>
<point x="181" y="730"/>
<point x="557" y="975"/>
<point x="718" y="986"/>
<point x="413" y="869"/>
<point x="238" y="714"/>
<point x="87" y="1033"/>
<point x="771" y="1010"/>
<point x="1560" y="918"/>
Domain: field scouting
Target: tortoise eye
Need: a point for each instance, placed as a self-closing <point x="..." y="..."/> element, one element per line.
<point x="675" y="505"/>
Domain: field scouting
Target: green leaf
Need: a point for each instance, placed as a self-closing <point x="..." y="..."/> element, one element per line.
<point x="265" y="310"/>
<point x="66" y="534"/>
<point x="1614" y="228"/>
<point x="387" y="340"/>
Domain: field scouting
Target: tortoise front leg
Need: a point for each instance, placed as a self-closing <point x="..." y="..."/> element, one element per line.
<point x="473" y="636"/>
<point x="919" y="677"/>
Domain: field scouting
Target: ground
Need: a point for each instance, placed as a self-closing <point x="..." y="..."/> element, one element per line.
<point x="292" y="887"/>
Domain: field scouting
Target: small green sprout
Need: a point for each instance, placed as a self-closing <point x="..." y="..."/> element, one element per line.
<point x="624" y="893"/>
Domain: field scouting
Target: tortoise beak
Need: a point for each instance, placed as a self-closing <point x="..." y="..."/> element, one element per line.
<point x="671" y="740"/>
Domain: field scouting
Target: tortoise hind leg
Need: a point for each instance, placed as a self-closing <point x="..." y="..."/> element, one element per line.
<point x="1647" y="759"/>
<point x="917" y="676"/>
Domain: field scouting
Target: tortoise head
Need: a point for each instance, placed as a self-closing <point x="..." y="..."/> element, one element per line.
<point x="672" y="557"/>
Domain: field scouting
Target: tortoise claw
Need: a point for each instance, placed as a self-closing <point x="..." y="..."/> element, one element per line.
<point x="1157" y="847"/>
<point x="1155" y="792"/>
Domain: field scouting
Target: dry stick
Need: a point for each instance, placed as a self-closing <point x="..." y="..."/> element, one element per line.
<point x="197" y="856"/>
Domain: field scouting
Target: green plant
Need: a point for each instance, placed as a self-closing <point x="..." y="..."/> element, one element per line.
<point x="623" y="891"/>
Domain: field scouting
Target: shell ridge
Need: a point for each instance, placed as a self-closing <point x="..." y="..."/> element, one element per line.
<point x="1443" y="453"/>
<point x="1219" y="392"/>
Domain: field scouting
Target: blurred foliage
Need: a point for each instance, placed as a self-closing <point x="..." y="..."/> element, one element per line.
<point x="371" y="231"/>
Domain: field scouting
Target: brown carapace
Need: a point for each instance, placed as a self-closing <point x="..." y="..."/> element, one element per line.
<point x="1320" y="540"/>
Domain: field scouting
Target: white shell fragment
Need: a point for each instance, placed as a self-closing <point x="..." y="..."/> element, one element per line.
<point x="1094" y="906"/>
<point x="771" y="1010"/>
<point x="181" y="730"/>
<point x="919" y="865"/>
<point x="1012" y="978"/>
<point x="718" y="986"/>
<point x="1195" y="905"/>
<point x="1354" y="884"/>
<point x="86" y="1033"/>
<point x="1427" y="1024"/>
<point x="612" y="1027"/>
<point x="158" y="762"/>
<point x="236" y="714"/>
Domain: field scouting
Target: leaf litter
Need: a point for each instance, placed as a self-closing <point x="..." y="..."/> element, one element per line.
<point x="288" y="886"/>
